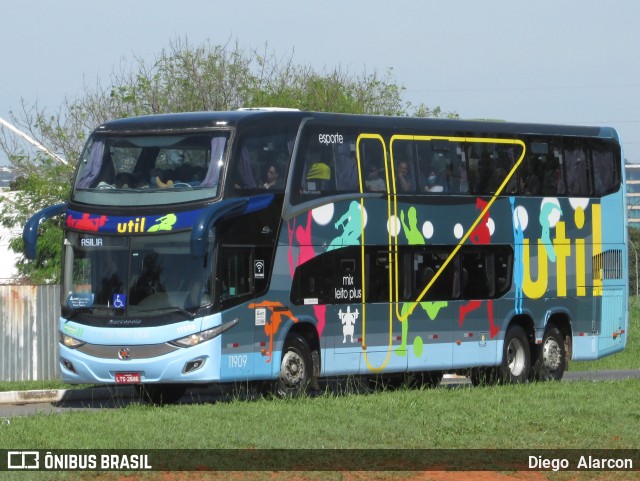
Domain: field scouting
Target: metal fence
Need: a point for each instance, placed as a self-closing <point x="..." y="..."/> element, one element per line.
<point x="29" y="332"/>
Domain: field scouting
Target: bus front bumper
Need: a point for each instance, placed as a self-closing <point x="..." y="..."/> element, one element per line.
<point x="197" y="364"/>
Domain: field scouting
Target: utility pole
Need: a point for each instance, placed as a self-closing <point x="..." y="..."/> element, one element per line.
<point x="35" y="143"/>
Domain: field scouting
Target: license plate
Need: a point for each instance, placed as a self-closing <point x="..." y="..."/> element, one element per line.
<point x="127" y="378"/>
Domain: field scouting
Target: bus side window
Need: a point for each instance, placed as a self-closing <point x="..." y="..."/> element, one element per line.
<point x="235" y="279"/>
<point x="486" y="271"/>
<point x="428" y="263"/>
<point x="605" y="172"/>
<point x="346" y="168"/>
<point x="332" y="277"/>
<point x="479" y="267"/>
<point x="577" y="168"/>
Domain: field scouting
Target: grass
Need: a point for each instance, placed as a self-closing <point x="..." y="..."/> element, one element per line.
<point x="537" y="415"/>
<point x="577" y="415"/>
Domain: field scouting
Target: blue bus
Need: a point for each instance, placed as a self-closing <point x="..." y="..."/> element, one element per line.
<point x="288" y="246"/>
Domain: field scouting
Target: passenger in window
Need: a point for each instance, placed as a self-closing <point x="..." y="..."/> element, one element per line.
<point x="553" y="183"/>
<point x="432" y="183"/>
<point x="497" y="178"/>
<point x="530" y="183"/>
<point x="274" y="181"/>
<point x="405" y="178"/>
<point x="374" y="182"/>
<point x="126" y="180"/>
<point x="161" y="178"/>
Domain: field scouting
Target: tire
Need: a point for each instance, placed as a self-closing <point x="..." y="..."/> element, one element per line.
<point x="516" y="357"/>
<point x="296" y="367"/>
<point x="161" y="394"/>
<point x="551" y="360"/>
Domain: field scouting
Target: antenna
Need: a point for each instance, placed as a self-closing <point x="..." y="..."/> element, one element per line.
<point x="33" y="142"/>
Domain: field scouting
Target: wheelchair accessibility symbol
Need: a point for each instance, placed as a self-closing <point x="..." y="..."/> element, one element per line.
<point x="119" y="301"/>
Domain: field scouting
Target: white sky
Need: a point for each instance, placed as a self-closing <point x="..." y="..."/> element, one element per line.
<point x="556" y="61"/>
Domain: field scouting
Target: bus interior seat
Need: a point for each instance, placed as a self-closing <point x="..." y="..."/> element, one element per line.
<point x="424" y="276"/>
<point x="318" y="177"/>
<point x="460" y="282"/>
<point x="107" y="174"/>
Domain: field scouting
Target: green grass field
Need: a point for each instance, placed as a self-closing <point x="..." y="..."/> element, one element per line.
<point x="537" y="415"/>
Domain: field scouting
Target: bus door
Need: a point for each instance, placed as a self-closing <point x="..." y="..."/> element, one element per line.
<point x="382" y="344"/>
<point x="235" y="288"/>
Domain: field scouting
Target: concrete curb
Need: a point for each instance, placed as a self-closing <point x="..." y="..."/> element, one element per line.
<point x="59" y="395"/>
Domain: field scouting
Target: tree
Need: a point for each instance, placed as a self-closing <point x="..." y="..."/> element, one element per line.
<point x="181" y="78"/>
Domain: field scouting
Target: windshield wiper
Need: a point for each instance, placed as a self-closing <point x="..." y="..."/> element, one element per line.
<point x="70" y="313"/>
<point x="190" y="315"/>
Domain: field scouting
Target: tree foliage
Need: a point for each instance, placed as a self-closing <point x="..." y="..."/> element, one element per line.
<point x="181" y="78"/>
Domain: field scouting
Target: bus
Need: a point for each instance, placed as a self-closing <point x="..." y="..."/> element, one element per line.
<point x="284" y="247"/>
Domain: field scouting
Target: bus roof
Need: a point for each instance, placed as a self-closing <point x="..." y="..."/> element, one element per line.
<point x="195" y="121"/>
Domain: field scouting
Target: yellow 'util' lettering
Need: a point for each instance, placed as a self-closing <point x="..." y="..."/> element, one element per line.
<point x="596" y="223"/>
<point x="562" y="249"/>
<point x="531" y="289"/>
<point x="581" y="277"/>
<point x="132" y="226"/>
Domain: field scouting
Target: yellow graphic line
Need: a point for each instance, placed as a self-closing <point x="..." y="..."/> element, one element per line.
<point x="478" y="219"/>
<point x="362" y="252"/>
<point x="392" y="211"/>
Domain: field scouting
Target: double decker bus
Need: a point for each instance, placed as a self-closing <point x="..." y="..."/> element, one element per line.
<point x="288" y="246"/>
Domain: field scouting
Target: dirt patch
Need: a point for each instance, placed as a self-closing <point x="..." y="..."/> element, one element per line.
<point x="330" y="476"/>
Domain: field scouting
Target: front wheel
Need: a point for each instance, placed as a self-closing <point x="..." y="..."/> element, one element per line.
<point x="296" y="367"/>
<point x="551" y="361"/>
<point x="516" y="357"/>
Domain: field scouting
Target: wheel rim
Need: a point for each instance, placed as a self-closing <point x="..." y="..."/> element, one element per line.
<point x="516" y="357"/>
<point x="292" y="369"/>
<point x="551" y="354"/>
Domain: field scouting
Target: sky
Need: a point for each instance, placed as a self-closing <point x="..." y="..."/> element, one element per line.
<point x="548" y="61"/>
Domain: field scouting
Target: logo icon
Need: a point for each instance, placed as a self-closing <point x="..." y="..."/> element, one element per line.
<point x="23" y="460"/>
<point x="258" y="269"/>
<point x="119" y="301"/>
<point x="124" y="354"/>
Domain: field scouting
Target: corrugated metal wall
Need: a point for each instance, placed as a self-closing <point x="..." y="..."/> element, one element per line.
<point x="28" y="333"/>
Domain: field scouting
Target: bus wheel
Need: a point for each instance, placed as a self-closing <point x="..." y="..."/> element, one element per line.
<point x="516" y="357"/>
<point x="161" y="394"/>
<point x="552" y="359"/>
<point x="296" y="367"/>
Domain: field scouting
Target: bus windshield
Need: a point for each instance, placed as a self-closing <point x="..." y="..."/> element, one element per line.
<point x="117" y="169"/>
<point x="134" y="275"/>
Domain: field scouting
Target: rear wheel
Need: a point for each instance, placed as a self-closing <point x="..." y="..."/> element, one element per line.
<point x="552" y="358"/>
<point x="516" y="357"/>
<point x="296" y="367"/>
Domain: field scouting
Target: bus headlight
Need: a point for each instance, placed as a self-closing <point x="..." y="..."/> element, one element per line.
<point x="203" y="336"/>
<point x="70" y="342"/>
